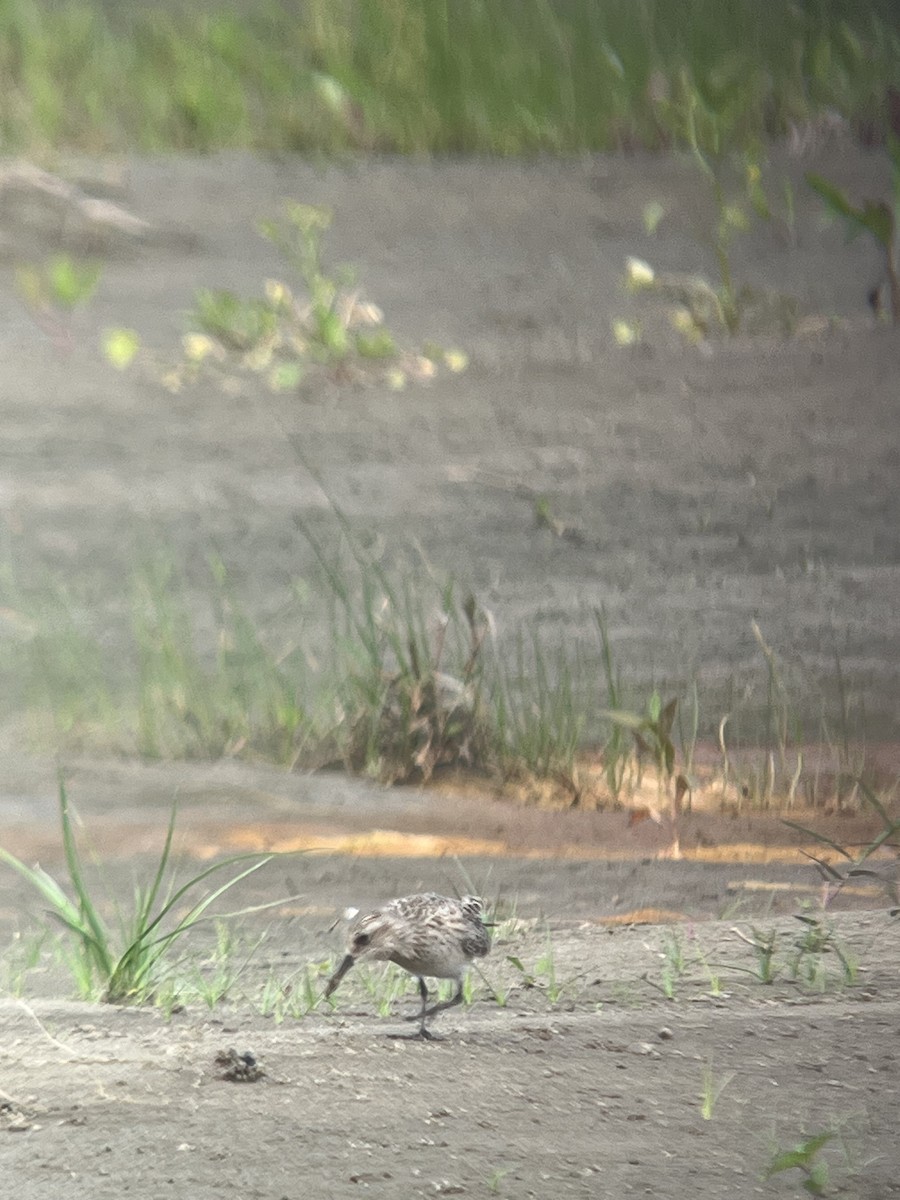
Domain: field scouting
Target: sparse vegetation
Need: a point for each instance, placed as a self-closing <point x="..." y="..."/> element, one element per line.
<point x="700" y="308"/>
<point x="409" y="678"/>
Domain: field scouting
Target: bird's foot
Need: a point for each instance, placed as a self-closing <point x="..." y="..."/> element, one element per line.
<point x="421" y="1035"/>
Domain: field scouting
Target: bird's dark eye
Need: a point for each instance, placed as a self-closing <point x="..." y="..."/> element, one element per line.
<point x="361" y="939"/>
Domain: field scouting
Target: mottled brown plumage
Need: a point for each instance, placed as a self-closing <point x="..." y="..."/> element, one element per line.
<point x="427" y="935"/>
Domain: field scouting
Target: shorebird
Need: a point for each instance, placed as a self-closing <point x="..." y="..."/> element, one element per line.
<point x="425" y="934"/>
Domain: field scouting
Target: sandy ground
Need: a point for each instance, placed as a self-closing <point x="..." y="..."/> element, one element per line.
<point x="703" y="489"/>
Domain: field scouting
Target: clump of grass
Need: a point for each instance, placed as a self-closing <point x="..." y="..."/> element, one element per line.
<point x="244" y="699"/>
<point x="409" y="687"/>
<point x="764" y="943"/>
<point x="124" y="966"/>
<point x="538" y="721"/>
<point x="543" y="975"/>
<point x="295" y="995"/>
<point x="818" y="939"/>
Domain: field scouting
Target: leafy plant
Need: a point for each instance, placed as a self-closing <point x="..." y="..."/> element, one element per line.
<point x="54" y="289"/>
<point x="326" y="324"/>
<point x="62" y="281"/>
<point x="878" y="218"/>
<point x="652" y="732"/>
<point x="238" y="324"/>
<point x="805" y="1157"/>
<point x="125" y="967"/>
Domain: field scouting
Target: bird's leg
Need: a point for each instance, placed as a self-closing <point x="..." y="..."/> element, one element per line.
<point x="451" y="1003"/>
<point x="423" y="992"/>
<point x="420" y="1017"/>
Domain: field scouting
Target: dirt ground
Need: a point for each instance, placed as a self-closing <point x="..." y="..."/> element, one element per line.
<point x="754" y="479"/>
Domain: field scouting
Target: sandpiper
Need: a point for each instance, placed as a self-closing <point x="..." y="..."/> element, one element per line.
<point x="424" y="934"/>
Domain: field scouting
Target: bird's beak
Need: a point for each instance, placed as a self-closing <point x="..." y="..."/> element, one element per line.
<point x="339" y="974"/>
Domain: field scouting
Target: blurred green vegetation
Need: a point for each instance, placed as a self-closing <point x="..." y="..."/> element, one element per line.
<point x="502" y="77"/>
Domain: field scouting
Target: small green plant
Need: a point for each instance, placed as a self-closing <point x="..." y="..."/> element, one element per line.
<point x="215" y="978"/>
<point x="495" y="1179"/>
<point x="300" y="238"/>
<point x="817" y="939"/>
<point x="294" y="996"/>
<point x="326" y="325"/>
<point x="238" y="324"/>
<point x="714" y="978"/>
<point x="62" y="282"/>
<point x="880" y="219"/>
<point x="53" y="290"/>
<point x="674" y="964"/>
<point x="806" y="1158"/>
<point x="545" y="972"/>
<point x="764" y="943"/>
<point x="543" y="975"/>
<point x="401" y="713"/>
<point x="125" y="968"/>
<point x="702" y="307"/>
<point x="712" y="1090"/>
<point x="652" y="733"/>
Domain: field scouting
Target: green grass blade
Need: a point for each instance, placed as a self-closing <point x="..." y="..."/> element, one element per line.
<point x="61" y="905"/>
<point x="145" y="906"/>
<point x="99" y="932"/>
<point x="818" y="837"/>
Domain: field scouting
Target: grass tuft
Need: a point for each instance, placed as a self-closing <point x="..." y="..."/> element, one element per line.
<point x="124" y="967"/>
